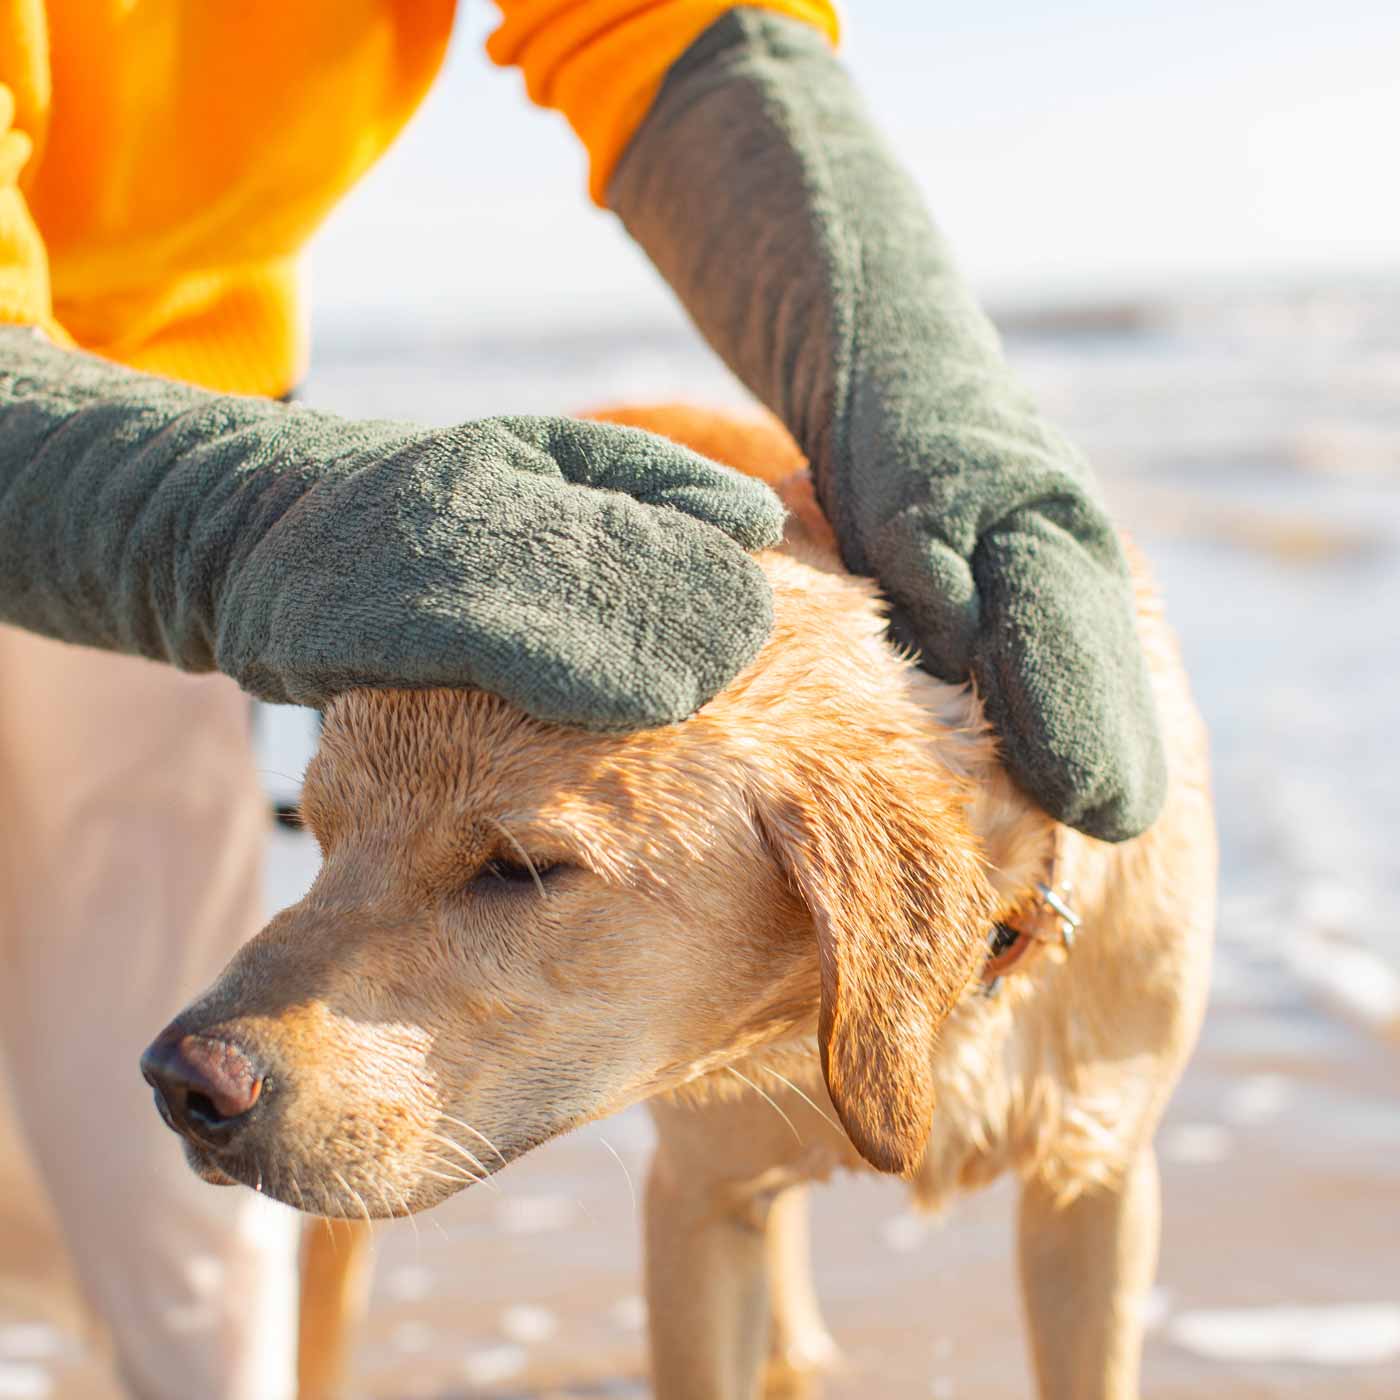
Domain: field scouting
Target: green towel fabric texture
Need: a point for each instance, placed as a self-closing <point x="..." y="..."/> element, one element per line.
<point x="597" y="576"/>
<point x="758" y="186"/>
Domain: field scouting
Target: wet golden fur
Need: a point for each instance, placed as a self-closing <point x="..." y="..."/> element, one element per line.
<point x="781" y="903"/>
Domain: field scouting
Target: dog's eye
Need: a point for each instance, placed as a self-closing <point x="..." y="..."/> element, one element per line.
<point x="515" y="873"/>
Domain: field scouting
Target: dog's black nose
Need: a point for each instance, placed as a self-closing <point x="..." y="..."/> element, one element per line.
<point x="205" y="1088"/>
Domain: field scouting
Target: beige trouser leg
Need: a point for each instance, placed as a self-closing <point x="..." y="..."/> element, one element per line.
<point x="131" y="834"/>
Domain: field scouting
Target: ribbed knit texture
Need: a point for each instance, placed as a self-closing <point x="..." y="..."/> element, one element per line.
<point x="162" y="165"/>
<point x="601" y="62"/>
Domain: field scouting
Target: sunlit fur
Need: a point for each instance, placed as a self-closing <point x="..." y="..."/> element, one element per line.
<point x="790" y="892"/>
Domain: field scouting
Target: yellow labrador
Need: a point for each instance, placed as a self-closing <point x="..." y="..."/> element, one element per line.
<point x="800" y="897"/>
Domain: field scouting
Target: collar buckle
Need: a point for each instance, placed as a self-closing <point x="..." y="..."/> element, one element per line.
<point x="1050" y="919"/>
<point x="1056" y="900"/>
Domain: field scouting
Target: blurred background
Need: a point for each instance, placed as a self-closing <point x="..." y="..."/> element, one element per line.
<point x="1185" y="220"/>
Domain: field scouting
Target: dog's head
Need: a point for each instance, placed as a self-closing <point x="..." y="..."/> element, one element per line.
<point x="518" y="928"/>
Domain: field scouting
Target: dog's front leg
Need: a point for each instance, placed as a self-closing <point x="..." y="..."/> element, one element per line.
<point x="726" y="1233"/>
<point x="707" y="1284"/>
<point x="335" y="1280"/>
<point x="1086" y="1268"/>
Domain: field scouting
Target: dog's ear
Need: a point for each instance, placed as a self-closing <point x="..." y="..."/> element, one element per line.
<point x="883" y="858"/>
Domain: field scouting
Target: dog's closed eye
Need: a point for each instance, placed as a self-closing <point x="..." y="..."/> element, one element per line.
<point x="517" y="874"/>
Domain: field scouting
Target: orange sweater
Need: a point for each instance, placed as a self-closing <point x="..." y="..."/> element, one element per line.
<point x="163" y="162"/>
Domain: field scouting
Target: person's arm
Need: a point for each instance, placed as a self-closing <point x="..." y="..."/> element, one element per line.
<point x="594" y="575"/>
<point x="757" y="184"/>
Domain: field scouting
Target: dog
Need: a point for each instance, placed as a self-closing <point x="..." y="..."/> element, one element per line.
<point x="821" y="892"/>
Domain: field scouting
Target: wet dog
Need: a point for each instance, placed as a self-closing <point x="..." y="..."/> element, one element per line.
<point x="801" y="898"/>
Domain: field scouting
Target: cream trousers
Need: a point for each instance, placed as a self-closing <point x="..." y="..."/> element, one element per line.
<point x="132" y="830"/>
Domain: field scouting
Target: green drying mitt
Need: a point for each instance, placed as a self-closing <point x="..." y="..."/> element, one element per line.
<point x="595" y="575"/>
<point x="758" y="186"/>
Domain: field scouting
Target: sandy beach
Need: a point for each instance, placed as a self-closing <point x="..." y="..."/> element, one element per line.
<point x="1254" y="448"/>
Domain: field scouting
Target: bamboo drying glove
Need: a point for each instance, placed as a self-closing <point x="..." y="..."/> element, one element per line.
<point x="594" y="575"/>
<point x="758" y="186"/>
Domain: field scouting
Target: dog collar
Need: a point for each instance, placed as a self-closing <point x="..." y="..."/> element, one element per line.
<point x="1046" y="918"/>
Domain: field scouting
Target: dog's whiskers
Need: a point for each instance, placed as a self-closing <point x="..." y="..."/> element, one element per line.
<point x="456" y="1178"/>
<point x="455" y="1171"/>
<point x="295" y="1185"/>
<point x="448" y="1118"/>
<point x="316" y="1207"/>
<point x="469" y="1155"/>
<point x="457" y="1147"/>
<point x="325" y="1207"/>
<point x="820" y="1111"/>
<point x="627" y="1176"/>
<point x="358" y="1199"/>
<point x="768" y="1098"/>
<point x="461" y="1152"/>
<point x="412" y="1220"/>
<point x="451" y="1164"/>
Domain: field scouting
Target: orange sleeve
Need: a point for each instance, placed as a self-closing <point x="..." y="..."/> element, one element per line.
<point x="24" y="109"/>
<point x="601" y="62"/>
